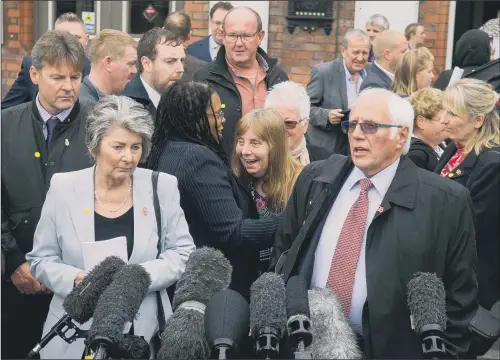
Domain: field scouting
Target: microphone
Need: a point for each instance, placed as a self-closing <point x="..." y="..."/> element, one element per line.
<point x="299" y="323"/>
<point x="333" y="336"/>
<point x="81" y="302"/>
<point x="426" y="301"/>
<point x="267" y="314"/>
<point x="207" y="272"/>
<point x="226" y="323"/>
<point x="118" y="305"/>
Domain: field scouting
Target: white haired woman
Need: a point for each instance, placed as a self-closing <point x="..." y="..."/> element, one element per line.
<point x="291" y="101"/>
<point x="109" y="201"/>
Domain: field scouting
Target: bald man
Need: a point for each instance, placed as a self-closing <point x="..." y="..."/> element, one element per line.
<point x="389" y="47"/>
<point x="242" y="72"/>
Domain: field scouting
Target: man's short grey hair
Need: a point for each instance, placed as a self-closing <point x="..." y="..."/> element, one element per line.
<point x="291" y="95"/>
<point x="399" y="109"/>
<point x="378" y="20"/>
<point x="69" y="17"/>
<point x="58" y="47"/>
<point x="354" y="33"/>
<point x="121" y="111"/>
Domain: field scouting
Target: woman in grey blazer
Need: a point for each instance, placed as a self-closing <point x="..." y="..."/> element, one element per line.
<point x="110" y="200"/>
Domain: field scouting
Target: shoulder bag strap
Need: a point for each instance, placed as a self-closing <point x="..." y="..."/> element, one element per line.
<point x="156" y="203"/>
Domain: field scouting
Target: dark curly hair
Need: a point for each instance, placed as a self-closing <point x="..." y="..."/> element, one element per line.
<point x="182" y="112"/>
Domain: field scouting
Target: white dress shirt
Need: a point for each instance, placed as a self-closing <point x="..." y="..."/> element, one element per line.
<point x="391" y="75"/>
<point x="154" y="95"/>
<point x="213" y="47"/>
<point x="352" y="89"/>
<point x="348" y="194"/>
<point x="45" y="115"/>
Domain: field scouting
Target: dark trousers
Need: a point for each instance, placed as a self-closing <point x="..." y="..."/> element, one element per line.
<point x="23" y="317"/>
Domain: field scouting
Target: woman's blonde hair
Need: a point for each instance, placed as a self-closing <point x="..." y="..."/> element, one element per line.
<point x="414" y="61"/>
<point x="283" y="169"/>
<point x="468" y="99"/>
<point x="426" y="103"/>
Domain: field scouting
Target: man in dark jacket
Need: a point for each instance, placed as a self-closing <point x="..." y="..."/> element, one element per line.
<point x="160" y="58"/>
<point x="23" y="89"/>
<point x="242" y="72"/>
<point x="364" y="225"/>
<point x="472" y="50"/>
<point x="39" y="138"/>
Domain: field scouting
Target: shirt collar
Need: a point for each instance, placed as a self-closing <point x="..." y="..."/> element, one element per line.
<point x="381" y="181"/>
<point x="154" y="95"/>
<point x="212" y="43"/>
<point x="45" y="115"/>
<point x="260" y="59"/>
<point x="348" y="75"/>
<point x="391" y="75"/>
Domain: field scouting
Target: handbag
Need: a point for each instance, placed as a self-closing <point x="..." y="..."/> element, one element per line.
<point x="156" y="339"/>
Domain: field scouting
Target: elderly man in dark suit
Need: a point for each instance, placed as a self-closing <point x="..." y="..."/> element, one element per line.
<point x="389" y="47"/>
<point x="180" y="24"/>
<point x="363" y="225"/>
<point x="333" y="89"/>
<point x="160" y="62"/>
<point x="23" y="89"/>
<point x="206" y="49"/>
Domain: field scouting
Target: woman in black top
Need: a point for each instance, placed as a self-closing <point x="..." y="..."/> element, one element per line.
<point x="428" y="131"/>
<point x="220" y="211"/>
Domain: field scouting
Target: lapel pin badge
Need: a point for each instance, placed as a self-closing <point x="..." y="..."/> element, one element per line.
<point x="450" y="175"/>
<point x="37" y="154"/>
<point x="66" y="142"/>
<point x="144" y="211"/>
<point x="380" y="209"/>
<point x="86" y="211"/>
<point x="459" y="172"/>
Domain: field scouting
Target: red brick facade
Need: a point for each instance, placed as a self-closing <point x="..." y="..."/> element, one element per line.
<point x="297" y="52"/>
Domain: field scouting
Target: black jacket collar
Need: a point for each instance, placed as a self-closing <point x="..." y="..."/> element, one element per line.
<point x="72" y="115"/>
<point x="136" y="90"/>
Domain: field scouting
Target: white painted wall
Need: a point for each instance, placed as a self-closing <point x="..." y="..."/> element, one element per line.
<point x="399" y="13"/>
<point x="261" y="7"/>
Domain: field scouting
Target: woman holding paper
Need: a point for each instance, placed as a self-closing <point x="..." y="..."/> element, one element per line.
<point x="108" y="210"/>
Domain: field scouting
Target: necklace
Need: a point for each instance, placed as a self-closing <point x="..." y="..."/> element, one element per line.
<point x="124" y="201"/>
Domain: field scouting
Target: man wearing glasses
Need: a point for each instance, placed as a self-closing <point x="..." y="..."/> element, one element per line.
<point x="206" y="49"/>
<point x="242" y="72"/>
<point x="365" y="224"/>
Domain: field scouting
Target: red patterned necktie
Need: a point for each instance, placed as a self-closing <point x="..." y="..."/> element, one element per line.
<point x="345" y="258"/>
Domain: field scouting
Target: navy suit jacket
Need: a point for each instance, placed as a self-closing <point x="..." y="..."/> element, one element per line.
<point x="200" y="49"/>
<point x="23" y="90"/>
<point x="376" y="78"/>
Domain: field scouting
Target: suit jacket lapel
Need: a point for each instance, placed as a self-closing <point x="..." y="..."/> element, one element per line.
<point x="82" y="206"/>
<point x="342" y="85"/>
<point x="144" y="215"/>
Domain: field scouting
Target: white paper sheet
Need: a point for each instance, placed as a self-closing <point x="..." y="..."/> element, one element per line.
<point x="95" y="252"/>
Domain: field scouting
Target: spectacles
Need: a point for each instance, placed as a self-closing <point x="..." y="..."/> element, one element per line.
<point x="366" y="127"/>
<point x="290" y="125"/>
<point x="244" y="37"/>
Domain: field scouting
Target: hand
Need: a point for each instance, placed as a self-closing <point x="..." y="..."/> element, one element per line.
<point x="335" y="116"/>
<point x="25" y="282"/>
<point x="79" y="277"/>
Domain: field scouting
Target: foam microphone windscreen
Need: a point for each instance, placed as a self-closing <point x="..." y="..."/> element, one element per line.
<point x="297" y="302"/>
<point x="332" y="334"/>
<point x="120" y="303"/>
<point x="267" y="303"/>
<point x="207" y="272"/>
<point x="426" y="299"/>
<point x="81" y="302"/>
<point x="227" y="317"/>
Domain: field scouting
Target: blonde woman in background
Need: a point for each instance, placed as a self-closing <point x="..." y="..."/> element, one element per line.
<point x="473" y="158"/>
<point x="428" y="129"/>
<point x="414" y="72"/>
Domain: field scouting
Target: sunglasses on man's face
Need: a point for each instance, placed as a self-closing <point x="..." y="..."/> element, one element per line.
<point x="366" y="127"/>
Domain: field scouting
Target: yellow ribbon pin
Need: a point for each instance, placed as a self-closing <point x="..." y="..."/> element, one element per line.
<point x="86" y="211"/>
<point x="223" y="106"/>
<point x="37" y="154"/>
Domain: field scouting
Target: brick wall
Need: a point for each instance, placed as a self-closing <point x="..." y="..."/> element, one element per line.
<point x="434" y="16"/>
<point x="199" y="12"/>
<point x="17" y="38"/>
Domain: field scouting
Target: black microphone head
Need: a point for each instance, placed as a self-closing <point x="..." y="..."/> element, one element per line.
<point x="120" y="303"/>
<point x="427" y="301"/>
<point x="297" y="302"/>
<point x="207" y="272"/>
<point x="267" y="303"/>
<point x="81" y="302"/>
<point x="227" y="317"/>
<point x="184" y="336"/>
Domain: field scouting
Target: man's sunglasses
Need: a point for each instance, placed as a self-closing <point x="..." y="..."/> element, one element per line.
<point x="366" y="127"/>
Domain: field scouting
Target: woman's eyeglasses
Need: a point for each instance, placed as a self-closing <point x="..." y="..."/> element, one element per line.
<point x="366" y="127"/>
